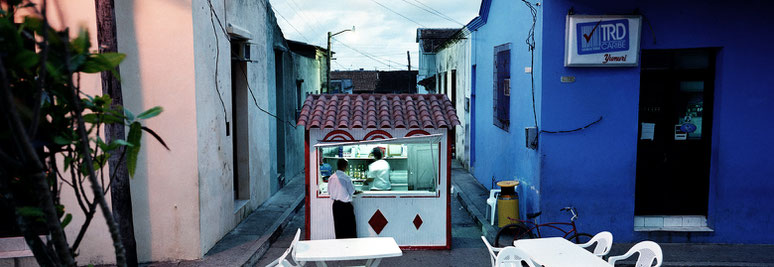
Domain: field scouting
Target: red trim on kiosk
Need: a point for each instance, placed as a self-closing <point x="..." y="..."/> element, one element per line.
<point x="307" y="172"/>
<point x="448" y="189"/>
<point x="338" y="135"/>
<point x="417" y="132"/>
<point x="377" y="134"/>
<point x="424" y="247"/>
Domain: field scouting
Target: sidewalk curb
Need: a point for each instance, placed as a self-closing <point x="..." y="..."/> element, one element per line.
<point x="263" y="244"/>
<point x="248" y="252"/>
<point x="480" y="216"/>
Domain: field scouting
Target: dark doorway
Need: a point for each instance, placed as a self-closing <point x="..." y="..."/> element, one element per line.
<point x="281" y="104"/>
<point x="239" y="121"/>
<point x="676" y="104"/>
<point x="454" y="88"/>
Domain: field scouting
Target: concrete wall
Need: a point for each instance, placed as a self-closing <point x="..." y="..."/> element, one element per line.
<point x="595" y="169"/>
<point x="282" y="101"/>
<point x="426" y="69"/>
<point x="498" y="153"/>
<point x="245" y="19"/>
<point x="456" y="56"/>
<point x="165" y="213"/>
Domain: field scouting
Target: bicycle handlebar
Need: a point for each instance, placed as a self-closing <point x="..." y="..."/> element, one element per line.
<point x="573" y="211"/>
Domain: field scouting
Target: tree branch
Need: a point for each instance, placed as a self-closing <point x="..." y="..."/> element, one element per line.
<point x="99" y="197"/>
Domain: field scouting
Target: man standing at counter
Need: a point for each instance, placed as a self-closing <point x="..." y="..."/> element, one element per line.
<point x="341" y="190"/>
<point x="379" y="171"/>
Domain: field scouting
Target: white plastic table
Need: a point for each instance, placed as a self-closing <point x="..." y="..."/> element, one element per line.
<point x="558" y="252"/>
<point x="372" y="249"/>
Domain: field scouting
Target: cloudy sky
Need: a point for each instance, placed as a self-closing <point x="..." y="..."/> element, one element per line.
<point x="384" y="29"/>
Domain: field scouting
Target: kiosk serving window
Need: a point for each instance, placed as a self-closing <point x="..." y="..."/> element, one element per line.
<point x="409" y="164"/>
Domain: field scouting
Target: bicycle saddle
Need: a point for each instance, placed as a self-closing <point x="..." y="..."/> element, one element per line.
<point x="533" y="215"/>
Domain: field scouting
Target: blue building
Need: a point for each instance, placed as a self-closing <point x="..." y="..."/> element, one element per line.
<point x="670" y="148"/>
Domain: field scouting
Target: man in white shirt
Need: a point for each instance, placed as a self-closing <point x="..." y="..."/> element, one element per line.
<point x="340" y="189"/>
<point x="379" y="171"/>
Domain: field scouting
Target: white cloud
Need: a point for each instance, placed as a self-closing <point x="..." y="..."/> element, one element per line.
<point x="379" y="32"/>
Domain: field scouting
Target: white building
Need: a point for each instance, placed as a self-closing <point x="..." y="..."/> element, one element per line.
<point x="445" y="68"/>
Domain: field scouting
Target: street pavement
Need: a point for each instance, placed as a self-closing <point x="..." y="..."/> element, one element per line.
<point x="467" y="248"/>
<point x="268" y="231"/>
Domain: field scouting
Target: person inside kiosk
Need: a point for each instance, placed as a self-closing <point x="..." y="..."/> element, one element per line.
<point x="404" y="166"/>
<point x="379" y="171"/>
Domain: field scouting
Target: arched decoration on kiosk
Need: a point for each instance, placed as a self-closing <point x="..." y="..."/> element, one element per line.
<point x="377" y="134"/>
<point x="338" y="135"/>
<point x="417" y="132"/>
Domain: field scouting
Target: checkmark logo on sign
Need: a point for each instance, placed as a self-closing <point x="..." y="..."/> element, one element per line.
<point x="588" y="36"/>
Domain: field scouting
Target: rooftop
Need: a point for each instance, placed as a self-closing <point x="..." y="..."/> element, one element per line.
<point x="432" y="39"/>
<point x="378" y="111"/>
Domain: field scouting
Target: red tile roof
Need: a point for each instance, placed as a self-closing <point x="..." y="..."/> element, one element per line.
<point x="378" y="111"/>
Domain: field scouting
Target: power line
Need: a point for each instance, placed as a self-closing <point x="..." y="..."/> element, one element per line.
<point x="291" y="25"/>
<point x="308" y="22"/>
<point x="439" y="12"/>
<point x="381" y="60"/>
<point x="342" y="66"/>
<point x="214" y="15"/>
<point x="362" y="53"/>
<point x="399" y="14"/>
<point x="434" y="13"/>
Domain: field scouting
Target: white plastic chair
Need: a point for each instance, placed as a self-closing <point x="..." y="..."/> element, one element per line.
<point x="282" y="260"/>
<point x="492" y="202"/>
<point x="603" y="240"/>
<point x="492" y="251"/>
<point x="649" y="252"/>
<point x="513" y="257"/>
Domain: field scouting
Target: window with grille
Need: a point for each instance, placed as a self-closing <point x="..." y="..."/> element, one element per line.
<point x="501" y="103"/>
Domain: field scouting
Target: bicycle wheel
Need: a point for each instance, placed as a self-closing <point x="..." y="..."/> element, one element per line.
<point x="580" y="238"/>
<point x="511" y="232"/>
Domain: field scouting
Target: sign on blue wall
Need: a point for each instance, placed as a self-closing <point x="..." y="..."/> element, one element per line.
<point x="594" y="41"/>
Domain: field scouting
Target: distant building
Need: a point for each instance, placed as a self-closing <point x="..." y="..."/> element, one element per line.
<point x="430" y="40"/>
<point x="445" y="64"/>
<point x="371" y="81"/>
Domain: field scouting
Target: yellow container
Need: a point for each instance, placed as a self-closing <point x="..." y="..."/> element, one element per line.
<point x="507" y="203"/>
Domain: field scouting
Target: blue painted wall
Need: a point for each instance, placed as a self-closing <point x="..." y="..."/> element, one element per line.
<point x="594" y="169"/>
<point x="501" y="153"/>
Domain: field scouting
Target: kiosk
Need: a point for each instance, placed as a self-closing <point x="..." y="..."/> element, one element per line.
<point x="413" y="131"/>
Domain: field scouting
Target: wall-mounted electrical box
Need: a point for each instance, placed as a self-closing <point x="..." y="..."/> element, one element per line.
<point x="531" y="134"/>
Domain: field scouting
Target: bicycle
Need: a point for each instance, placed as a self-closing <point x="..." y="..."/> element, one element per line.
<point x="520" y="229"/>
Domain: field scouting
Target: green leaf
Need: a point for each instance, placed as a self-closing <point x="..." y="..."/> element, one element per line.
<point x="150" y="113"/>
<point x="29" y="211"/>
<point x="66" y="221"/>
<point x="26" y="59"/>
<point x="33" y="23"/>
<point x="129" y="114"/>
<point x="92" y="118"/>
<point x="81" y="43"/>
<point x="54" y="72"/>
<point x="155" y="135"/>
<point x="122" y="142"/>
<point x="135" y="132"/>
<point x="61" y="140"/>
<point x="102" y="62"/>
<point x="67" y="162"/>
<point x="109" y="118"/>
<point x="101" y="160"/>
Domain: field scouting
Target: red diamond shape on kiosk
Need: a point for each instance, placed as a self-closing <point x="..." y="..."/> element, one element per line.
<point x="417" y="221"/>
<point x="377" y="221"/>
